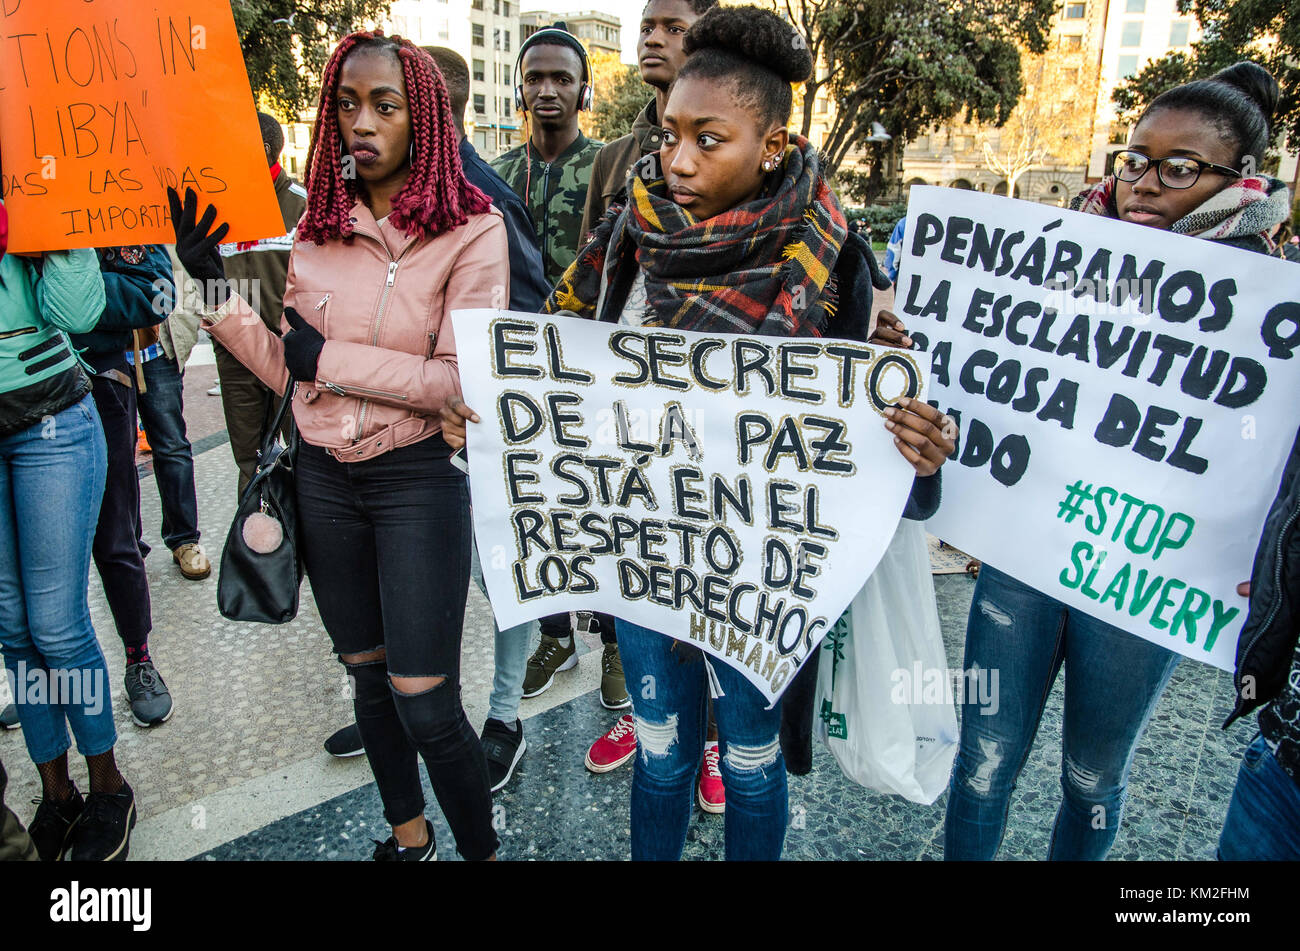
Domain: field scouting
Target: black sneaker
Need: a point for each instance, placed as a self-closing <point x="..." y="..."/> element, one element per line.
<point x="50" y="825"/>
<point x="346" y="742"/>
<point x="9" y="717"/>
<point x="151" y="701"/>
<point x="389" y="852"/>
<point x="103" y="831"/>
<point x="503" y="748"/>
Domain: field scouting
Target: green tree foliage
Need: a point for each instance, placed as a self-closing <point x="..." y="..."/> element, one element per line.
<point x="853" y="184"/>
<point x="285" y="59"/>
<point x="913" y="64"/>
<point x="1266" y="31"/>
<point x="619" y="95"/>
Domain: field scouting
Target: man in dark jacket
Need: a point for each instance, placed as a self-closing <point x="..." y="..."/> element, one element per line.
<point x="1263" y="820"/>
<point x="138" y="286"/>
<point x="528" y="287"/>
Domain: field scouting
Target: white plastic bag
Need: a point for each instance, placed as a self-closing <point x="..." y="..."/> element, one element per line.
<point x="866" y="717"/>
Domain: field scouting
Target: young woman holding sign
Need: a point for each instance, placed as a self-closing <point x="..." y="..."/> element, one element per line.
<point x="1188" y="168"/>
<point x="393" y="239"/>
<point x="738" y="228"/>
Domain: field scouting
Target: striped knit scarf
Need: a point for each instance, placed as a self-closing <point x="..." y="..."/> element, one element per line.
<point x="758" y="268"/>
<point x="1248" y="207"/>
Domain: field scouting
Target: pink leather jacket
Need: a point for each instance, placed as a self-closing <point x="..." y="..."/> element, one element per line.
<point x="389" y="361"/>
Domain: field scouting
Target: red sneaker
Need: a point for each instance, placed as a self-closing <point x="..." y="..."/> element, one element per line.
<point x="614" y="748"/>
<point x="711" y="795"/>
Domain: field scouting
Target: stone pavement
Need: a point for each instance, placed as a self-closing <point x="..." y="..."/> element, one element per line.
<point x="239" y="772"/>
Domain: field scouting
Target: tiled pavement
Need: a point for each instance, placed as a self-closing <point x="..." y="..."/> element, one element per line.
<point x="239" y="773"/>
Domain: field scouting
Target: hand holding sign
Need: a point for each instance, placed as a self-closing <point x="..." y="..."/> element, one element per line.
<point x="196" y="245"/>
<point x="890" y="331"/>
<point x="454" y="416"/>
<point x="922" y="434"/>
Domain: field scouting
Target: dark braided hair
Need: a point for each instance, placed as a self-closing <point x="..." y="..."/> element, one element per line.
<point x="436" y="196"/>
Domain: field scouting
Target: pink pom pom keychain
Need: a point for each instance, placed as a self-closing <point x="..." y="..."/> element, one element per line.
<point x="262" y="533"/>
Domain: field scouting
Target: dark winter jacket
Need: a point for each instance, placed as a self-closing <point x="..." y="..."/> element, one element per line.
<point x="528" y="287"/>
<point x="140" y="292"/>
<point x="1268" y="661"/>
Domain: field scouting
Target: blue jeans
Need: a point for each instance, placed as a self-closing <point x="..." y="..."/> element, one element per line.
<point x="670" y="695"/>
<point x="1263" y="822"/>
<point x="510" y="660"/>
<point x="162" y="413"/>
<point x="1112" y="682"/>
<point x="51" y="481"/>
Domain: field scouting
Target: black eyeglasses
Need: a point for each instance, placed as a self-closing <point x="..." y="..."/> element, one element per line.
<point x="1175" y="171"/>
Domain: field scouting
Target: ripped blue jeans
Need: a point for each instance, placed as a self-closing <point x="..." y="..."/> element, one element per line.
<point x="1112" y="682"/>
<point x="670" y="690"/>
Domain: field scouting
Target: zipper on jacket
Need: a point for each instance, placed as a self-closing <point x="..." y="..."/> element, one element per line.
<point x="323" y="301"/>
<point x="546" y="212"/>
<point x="347" y="391"/>
<point x="374" y="337"/>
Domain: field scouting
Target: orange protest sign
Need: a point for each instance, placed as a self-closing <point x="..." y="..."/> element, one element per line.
<point x="104" y="103"/>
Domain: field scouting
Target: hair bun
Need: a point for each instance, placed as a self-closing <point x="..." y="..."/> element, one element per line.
<point x="1256" y="82"/>
<point x="755" y="34"/>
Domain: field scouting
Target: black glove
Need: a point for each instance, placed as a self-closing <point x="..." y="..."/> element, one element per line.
<point x="302" y="347"/>
<point x="197" y="248"/>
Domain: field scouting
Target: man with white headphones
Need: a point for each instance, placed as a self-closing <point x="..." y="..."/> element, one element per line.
<point x="551" y="170"/>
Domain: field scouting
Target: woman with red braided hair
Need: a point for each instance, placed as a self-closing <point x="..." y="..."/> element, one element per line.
<point x="393" y="239"/>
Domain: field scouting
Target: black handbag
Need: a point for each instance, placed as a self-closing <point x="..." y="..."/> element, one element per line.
<point x="257" y="586"/>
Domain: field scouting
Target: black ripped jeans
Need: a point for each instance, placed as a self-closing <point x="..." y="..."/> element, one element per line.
<point x="386" y="545"/>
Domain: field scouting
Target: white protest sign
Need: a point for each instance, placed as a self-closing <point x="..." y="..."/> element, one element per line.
<point x="733" y="492"/>
<point x="1127" y="399"/>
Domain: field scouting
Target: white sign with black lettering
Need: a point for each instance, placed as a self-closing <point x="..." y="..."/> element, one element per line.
<point x="730" y="491"/>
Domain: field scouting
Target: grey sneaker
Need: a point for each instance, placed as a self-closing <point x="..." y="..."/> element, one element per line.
<point x="151" y="701"/>
<point x="613" y="689"/>
<point x="550" y="657"/>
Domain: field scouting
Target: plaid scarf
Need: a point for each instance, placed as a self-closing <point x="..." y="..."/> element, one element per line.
<point x="758" y="268"/>
<point x="1249" y="207"/>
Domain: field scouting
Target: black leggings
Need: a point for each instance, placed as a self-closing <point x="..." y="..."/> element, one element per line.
<point x="386" y="546"/>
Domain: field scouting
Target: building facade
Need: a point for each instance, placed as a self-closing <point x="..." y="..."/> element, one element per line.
<point x="1061" y="90"/>
<point x="1094" y="46"/>
<point x="487" y="33"/>
<point x="598" y="31"/>
<point x="1137" y="31"/>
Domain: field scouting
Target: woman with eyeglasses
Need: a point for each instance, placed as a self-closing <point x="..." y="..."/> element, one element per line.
<point x="1190" y="168"/>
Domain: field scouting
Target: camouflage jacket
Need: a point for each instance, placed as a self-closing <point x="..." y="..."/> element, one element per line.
<point x="557" y="195"/>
